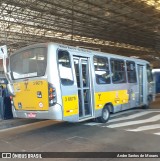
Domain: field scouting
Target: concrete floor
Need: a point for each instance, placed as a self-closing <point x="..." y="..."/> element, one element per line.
<point x="156" y="103"/>
<point x="52" y="136"/>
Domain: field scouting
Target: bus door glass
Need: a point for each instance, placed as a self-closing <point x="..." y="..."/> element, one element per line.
<point x="141" y="80"/>
<point x="82" y="72"/>
<point x="132" y="81"/>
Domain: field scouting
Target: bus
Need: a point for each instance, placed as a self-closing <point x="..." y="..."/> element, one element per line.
<point x="156" y="77"/>
<point x="60" y="82"/>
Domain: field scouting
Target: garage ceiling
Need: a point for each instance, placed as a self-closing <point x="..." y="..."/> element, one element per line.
<point x="124" y="27"/>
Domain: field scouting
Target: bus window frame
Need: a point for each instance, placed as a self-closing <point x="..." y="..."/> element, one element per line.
<point x="71" y="65"/>
<point x="131" y="61"/>
<point x="124" y="61"/>
<point x="109" y="69"/>
<point x="46" y="61"/>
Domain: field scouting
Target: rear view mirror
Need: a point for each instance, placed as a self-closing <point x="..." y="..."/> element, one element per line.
<point x="3" y="52"/>
<point x="10" y="89"/>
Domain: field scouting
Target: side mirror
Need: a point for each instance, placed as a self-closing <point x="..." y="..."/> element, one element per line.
<point x="3" y="52"/>
<point x="10" y="89"/>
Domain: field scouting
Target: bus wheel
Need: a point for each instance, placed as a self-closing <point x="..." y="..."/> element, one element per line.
<point x="105" y="115"/>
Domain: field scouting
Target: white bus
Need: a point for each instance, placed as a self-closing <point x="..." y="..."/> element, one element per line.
<point x="54" y="81"/>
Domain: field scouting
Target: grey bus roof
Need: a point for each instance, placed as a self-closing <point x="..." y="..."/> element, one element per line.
<point x="79" y="49"/>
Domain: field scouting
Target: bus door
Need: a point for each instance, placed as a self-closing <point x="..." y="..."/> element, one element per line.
<point x="83" y="79"/>
<point x="141" y="82"/>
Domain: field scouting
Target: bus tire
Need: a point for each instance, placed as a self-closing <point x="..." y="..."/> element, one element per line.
<point x="105" y="115"/>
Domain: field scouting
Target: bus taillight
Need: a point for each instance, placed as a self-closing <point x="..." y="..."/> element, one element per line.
<point x="52" y="95"/>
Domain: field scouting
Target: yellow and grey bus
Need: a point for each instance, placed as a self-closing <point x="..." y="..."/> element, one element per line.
<point x="55" y="81"/>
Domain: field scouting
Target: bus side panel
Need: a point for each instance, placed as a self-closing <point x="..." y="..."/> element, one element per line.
<point x="70" y="105"/>
<point x="133" y="92"/>
<point x="116" y="98"/>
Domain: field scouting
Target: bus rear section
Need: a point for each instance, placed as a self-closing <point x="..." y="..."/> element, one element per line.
<point x="33" y="94"/>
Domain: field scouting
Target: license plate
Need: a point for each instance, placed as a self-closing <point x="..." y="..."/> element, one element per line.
<point x="31" y="115"/>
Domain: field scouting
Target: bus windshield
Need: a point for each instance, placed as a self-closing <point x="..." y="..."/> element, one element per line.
<point x="29" y="63"/>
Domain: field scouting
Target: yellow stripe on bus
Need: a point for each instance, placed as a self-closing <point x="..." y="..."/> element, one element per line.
<point x="70" y="102"/>
<point x="70" y="105"/>
<point x="115" y="97"/>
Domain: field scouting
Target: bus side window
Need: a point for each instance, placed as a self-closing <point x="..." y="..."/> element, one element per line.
<point x="65" y="69"/>
<point x="118" y="71"/>
<point x="131" y="72"/>
<point x="101" y="67"/>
